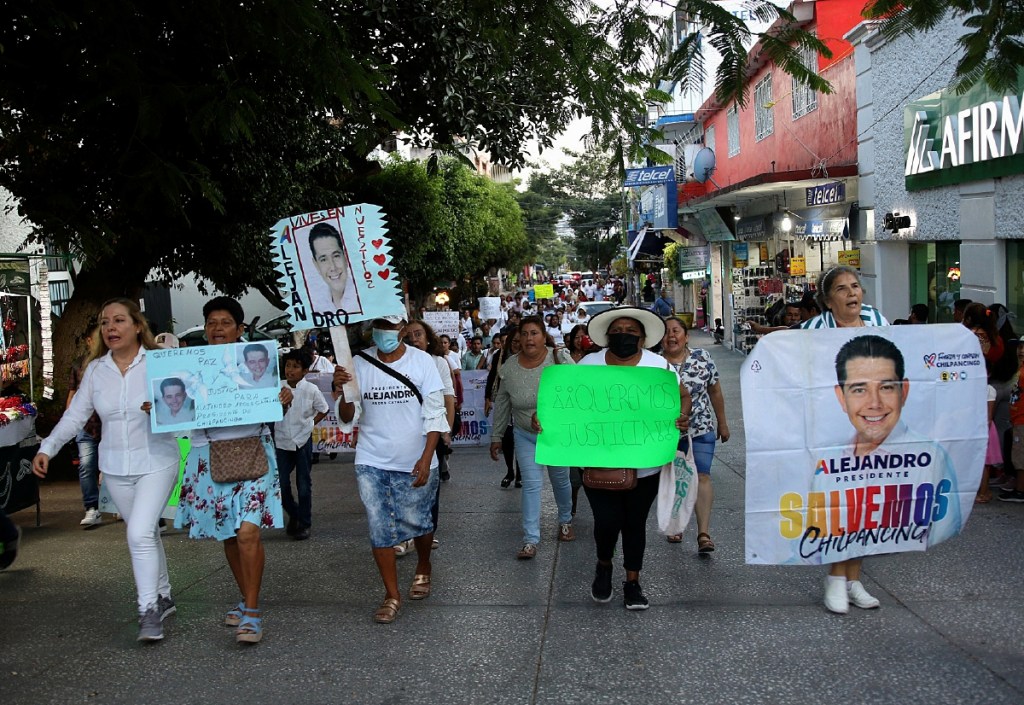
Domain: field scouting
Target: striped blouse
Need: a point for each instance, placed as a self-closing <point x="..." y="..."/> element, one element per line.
<point x="869" y="314"/>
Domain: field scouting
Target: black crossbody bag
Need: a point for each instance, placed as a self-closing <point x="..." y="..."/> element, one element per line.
<point x="394" y="373"/>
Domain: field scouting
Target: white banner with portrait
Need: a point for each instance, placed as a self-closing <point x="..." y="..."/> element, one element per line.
<point x="861" y="441"/>
<point x="476" y="426"/>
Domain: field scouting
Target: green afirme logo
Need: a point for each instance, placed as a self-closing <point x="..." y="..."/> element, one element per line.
<point x="951" y="139"/>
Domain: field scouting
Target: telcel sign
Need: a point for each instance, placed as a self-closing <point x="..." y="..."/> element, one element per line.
<point x="951" y="139"/>
<point x="649" y="175"/>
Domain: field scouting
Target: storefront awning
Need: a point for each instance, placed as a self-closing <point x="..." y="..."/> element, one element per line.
<point x="712" y="226"/>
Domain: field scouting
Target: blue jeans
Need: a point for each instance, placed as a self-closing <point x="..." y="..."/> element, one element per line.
<point x="88" y="470"/>
<point x="300" y="460"/>
<point x="533" y="480"/>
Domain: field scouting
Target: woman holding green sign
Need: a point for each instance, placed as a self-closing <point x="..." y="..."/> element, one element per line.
<point x="625" y="333"/>
<point x="518" y="382"/>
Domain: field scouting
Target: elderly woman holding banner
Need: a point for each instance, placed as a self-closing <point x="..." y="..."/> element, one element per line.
<point x="625" y="333"/>
<point x="233" y="512"/>
<point x="841" y="299"/>
<point x="516" y="397"/>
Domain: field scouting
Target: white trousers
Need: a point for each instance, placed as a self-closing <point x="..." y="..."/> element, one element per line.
<point x="140" y="499"/>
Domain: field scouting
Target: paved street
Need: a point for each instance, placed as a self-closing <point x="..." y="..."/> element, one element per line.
<point x="498" y="630"/>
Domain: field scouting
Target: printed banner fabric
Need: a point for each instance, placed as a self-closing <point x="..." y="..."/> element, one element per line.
<point x="881" y="462"/>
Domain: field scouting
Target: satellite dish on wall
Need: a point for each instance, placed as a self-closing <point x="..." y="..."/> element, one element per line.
<point x="703" y="165"/>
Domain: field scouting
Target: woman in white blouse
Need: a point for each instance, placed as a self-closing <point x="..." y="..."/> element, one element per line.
<point x="140" y="467"/>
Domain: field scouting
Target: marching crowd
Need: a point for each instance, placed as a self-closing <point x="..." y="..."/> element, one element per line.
<point x="237" y="479"/>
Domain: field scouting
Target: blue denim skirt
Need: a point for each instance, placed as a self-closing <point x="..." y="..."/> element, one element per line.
<point x="395" y="510"/>
<point x="703" y="451"/>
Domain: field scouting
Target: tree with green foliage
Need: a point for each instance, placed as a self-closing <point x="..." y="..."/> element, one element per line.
<point x="992" y="50"/>
<point x="155" y="140"/>
<point x="453" y="224"/>
<point x="588" y="194"/>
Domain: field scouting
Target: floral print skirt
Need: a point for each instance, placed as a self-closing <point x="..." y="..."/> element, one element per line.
<point x="217" y="509"/>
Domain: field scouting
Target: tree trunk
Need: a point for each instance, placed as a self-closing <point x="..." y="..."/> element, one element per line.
<point x="93" y="286"/>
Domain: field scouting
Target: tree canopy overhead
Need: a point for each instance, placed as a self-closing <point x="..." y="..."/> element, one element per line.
<point x="992" y="50"/>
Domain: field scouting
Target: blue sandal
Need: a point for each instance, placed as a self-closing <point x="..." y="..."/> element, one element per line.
<point x="234" y="615"/>
<point x="250" y="629"/>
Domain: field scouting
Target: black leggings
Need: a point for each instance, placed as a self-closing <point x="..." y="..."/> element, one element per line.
<point x="626" y="512"/>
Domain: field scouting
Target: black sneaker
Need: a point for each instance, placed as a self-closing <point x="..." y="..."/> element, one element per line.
<point x="301" y="534"/>
<point x="9" y="550"/>
<point x="1016" y="496"/>
<point x="633" y="596"/>
<point x="601" y="588"/>
<point x="165" y="606"/>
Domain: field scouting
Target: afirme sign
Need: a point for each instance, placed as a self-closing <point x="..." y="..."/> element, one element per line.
<point x="649" y="175"/>
<point x="951" y="139"/>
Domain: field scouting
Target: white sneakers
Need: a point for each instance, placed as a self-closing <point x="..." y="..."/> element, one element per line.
<point x="861" y="597"/>
<point x="836" y="599"/>
<point x="839" y="594"/>
<point x="92" y="518"/>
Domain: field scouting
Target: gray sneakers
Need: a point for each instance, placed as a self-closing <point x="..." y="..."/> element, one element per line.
<point x="150" y="626"/>
<point x="165" y="607"/>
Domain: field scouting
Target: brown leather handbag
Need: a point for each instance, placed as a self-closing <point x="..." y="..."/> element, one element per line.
<point x="238" y="460"/>
<point x="609" y="478"/>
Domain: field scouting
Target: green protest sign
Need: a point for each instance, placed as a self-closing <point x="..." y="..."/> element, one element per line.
<point x="607" y="417"/>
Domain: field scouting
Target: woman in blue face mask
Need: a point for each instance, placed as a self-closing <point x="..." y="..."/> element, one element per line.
<point x="401" y="415"/>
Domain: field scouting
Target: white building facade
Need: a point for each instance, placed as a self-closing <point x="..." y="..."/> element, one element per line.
<point x="941" y="178"/>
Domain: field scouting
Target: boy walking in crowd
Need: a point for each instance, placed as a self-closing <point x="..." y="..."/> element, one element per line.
<point x="293" y="437"/>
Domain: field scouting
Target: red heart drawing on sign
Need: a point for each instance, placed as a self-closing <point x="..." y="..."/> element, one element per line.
<point x="379" y="259"/>
<point x="377" y="243"/>
<point x="384" y="273"/>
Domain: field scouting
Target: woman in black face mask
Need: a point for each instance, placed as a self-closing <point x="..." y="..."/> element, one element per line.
<point x="625" y="333"/>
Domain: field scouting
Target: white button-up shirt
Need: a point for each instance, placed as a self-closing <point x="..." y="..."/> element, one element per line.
<point x="296" y="427"/>
<point x="127" y="446"/>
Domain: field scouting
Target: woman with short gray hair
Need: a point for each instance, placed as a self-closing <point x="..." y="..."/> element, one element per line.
<point x="840" y="297"/>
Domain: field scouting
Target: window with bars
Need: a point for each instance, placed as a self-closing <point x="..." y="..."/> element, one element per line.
<point x="764" y="118"/>
<point x="709" y="138"/>
<point x="56" y="263"/>
<point x="805" y="99"/>
<point x="60" y="294"/>
<point x="732" y="121"/>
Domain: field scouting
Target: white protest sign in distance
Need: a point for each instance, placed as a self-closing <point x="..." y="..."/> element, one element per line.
<point x="212" y="386"/>
<point x="334" y="267"/>
<point x="490" y="308"/>
<point x="443" y="322"/>
<point x="861" y="441"/>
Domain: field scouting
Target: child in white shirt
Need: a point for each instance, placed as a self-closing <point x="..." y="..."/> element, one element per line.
<point x="293" y="437"/>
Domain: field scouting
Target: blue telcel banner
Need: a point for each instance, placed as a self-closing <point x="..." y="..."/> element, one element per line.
<point x="213" y="385"/>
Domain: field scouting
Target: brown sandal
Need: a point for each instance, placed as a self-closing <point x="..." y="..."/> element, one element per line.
<point x="674" y="538"/>
<point x="704" y="543"/>
<point x="420" y="587"/>
<point x="387" y="611"/>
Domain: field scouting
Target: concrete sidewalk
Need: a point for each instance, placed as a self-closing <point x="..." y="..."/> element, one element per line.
<point x="498" y="630"/>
